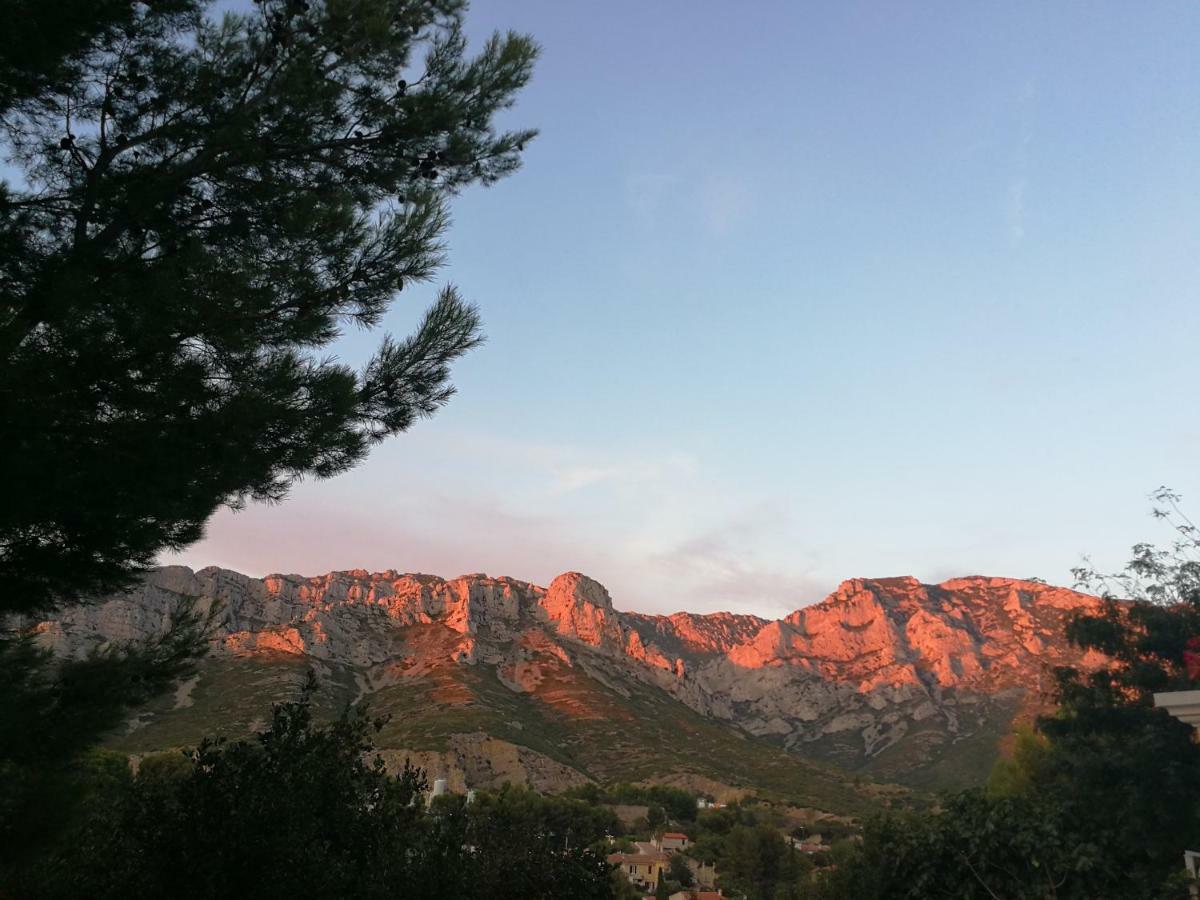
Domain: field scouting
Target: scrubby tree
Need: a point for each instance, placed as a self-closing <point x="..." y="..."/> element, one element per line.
<point x="680" y="871"/>
<point x="663" y="803"/>
<point x="757" y="862"/>
<point x="975" y="848"/>
<point x="622" y="887"/>
<point x="201" y="206"/>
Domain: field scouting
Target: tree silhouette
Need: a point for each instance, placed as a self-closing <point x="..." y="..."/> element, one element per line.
<point x="202" y="207"/>
<point x="304" y="809"/>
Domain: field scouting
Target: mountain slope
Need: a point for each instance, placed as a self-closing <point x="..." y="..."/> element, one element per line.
<point x="496" y="679"/>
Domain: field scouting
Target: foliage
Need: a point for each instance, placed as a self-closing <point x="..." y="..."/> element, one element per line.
<point x="1151" y="611"/>
<point x="42" y="44"/>
<point x="674" y="804"/>
<point x="977" y="847"/>
<point x="656" y="817"/>
<point x="52" y="708"/>
<point x="1115" y="758"/>
<point x="1168" y="577"/>
<point x="1015" y="774"/>
<point x="757" y="862"/>
<point x="203" y="205"/>
<point x="306" y="811"/>
<point x="622" y="887"/>
<point x="680" y="872"/>
<point x="530" y="845"/>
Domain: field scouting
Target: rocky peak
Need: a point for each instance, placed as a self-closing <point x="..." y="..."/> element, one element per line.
<point x="581" y="608"/>
<point x="576" y="588"/>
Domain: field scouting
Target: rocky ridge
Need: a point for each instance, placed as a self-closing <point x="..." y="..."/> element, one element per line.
<point x="887" y="675"/>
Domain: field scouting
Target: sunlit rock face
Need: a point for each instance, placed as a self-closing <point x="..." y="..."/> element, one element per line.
<point x="580" y="608"/>
<point x="880" y="659"/>
<point x="879" y="666"/>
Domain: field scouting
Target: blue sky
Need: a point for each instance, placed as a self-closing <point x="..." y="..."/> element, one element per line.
<point x="789" y="293"/>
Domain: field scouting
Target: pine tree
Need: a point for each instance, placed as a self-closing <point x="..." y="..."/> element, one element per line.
<point x="203" y="206"/>
<point x="41" y="43"/>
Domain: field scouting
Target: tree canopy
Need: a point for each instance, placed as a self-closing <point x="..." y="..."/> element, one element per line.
<point x="203" y="205"/>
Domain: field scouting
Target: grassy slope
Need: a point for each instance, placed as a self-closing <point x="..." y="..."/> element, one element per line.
<point x="930" y="758"/>
<point x="569" y="717"/>
<point x="231" y="698"/>
<point x="951" y="765"/>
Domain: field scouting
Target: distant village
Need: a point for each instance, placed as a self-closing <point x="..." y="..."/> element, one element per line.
<point x="649" y="863"/>
<point x="668" y="863"/>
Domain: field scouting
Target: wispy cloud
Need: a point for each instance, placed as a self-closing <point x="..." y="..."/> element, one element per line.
<point x="731" y="566"/>
<point x="1018" y="182"/>
<point x="560" y="469"/>
<point x="574" y="476"/>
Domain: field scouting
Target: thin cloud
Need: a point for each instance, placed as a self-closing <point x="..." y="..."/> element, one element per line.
<point x="571" y="477"/>
<point x="565" y="468"/>
<point x="724" y="568"/>
<point x="1018" y="182"/>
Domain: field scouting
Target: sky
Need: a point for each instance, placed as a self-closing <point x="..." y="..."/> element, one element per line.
<point x="789" y="293"/>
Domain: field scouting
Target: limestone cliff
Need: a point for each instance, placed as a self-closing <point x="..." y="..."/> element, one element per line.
<point x="885" y="674"/>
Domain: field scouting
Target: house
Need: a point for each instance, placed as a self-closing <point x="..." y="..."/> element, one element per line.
<point x="704" y="874"/>
<point x="642" y="869"/>
<point x="671" y="841"/>
<point x="810" y="845"/>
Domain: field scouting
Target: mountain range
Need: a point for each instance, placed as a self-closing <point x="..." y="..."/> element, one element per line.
<point x="887" y="681"/>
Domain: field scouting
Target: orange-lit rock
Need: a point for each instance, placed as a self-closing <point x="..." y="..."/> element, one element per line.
<point x="878" y="662"/>
<point x="580" y="608"/>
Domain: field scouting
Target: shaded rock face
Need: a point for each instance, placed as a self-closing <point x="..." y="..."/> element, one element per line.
<point x="879" y="666"/>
